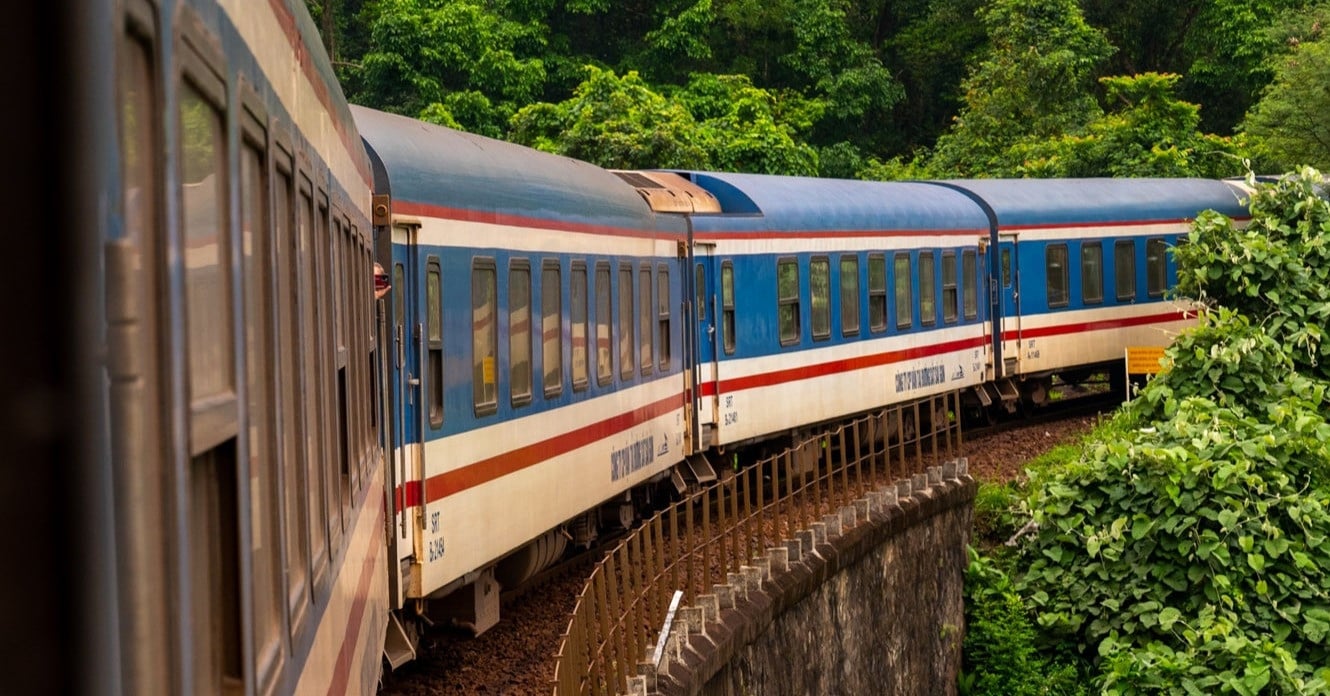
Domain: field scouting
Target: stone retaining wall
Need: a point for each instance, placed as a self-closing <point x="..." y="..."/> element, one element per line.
<point x="867" y="601"/>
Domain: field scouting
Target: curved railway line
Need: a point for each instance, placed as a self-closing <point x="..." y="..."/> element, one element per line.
<point x="516" y="656"/>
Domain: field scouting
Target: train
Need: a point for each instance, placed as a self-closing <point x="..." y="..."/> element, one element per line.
<point x="285" y="474"/>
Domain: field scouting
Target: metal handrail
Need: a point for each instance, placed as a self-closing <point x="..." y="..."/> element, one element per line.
<point x="696" y="543"/>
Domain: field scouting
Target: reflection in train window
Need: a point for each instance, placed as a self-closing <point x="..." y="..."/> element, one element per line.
<point x="1124" y="268"/>
<point x="787" y="289"/>
<point x="581" y="358"/>
<point x="904" y="291"/>
<point x="1056" y="274"/>
<point x="604" y="341"/>
<point x="626" y="343"/>
<point x="663" y="315"/>
<point x="819" y="288"/>
<point x="849" y="295"/>
<point x="1156" y="268"/>
<point x="484" y="336"/>
<point x="644" y="322"/>
<point x="519" y="331"/>
<point x="970" y="277"/>
<point x="927" y="289"/>
<point x="950" y="293"/>
<point x="877" y="292"/>
<point x="1092" y="272"/>
<point x="727" y="306"/>
<point x="434" y="338"/>
<point x="551" y="329"/>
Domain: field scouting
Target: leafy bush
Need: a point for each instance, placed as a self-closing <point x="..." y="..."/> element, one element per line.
<point x="1001" y="641"/>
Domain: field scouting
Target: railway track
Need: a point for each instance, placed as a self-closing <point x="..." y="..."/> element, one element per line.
<point x="515" y="657"/>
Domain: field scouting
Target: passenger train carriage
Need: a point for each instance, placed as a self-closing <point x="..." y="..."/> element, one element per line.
<point x="294" y="472"/>
<point x="245" y="471"/>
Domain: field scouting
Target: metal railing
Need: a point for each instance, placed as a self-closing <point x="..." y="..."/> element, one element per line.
<point x="697" y="542"/>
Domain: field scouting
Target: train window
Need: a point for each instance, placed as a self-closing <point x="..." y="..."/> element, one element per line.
<point x="819" y="287"/>
<point x="1156" y="268"/>
<point x="312" y="388"/>
<point x="291" y="427"/>
<point x="207" y="280"/>
<point x="484" y="336"/>
<point x="787" y="290"/>
<point x="1006" y="267"/>
<point x="581" y="362"/>
<point x="970" y="277"/>
<point x="434" y="337"/>
<point x="727" y="307"/>
<point x="266" y="544"/>
<point x="1056" y="274"/>
<point x="399" y="297"/>
<point x="700" y="285"/>
<point x="604" y="339"/>
<point x="551" y="328"/>
<point x="644" y="317"/>
<point x="1092" y="272"/>
<point x="663" y="315"/>
<point x="849" y="295"/>
<point x="877" y="292"/>
<point x="950" y="293"/>
<point x="903" y="290"/>
<point x="927" y="289"/>
<point x="519" y="331"/>
<point x="626" y="342"/>
<point x="1124" y="268"/>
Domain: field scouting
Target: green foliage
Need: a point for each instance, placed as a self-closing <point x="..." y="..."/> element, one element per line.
<point x="615" y="122"/>
<point x="994" y="513"/>
<point x="449" y="56"/>
<point x="1001" y="652"/>
<point x="1033" y="84"/>
<point x="1146" y="132"/>
<point x="1275" y="271"/>
<point x="1289" y="121"/>
<point x="1186" y="552"/>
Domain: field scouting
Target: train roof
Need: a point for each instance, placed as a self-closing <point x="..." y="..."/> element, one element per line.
<point x="441" y="172"/>
<point x="1047" y="202"/>
<point x="764" y="203"/>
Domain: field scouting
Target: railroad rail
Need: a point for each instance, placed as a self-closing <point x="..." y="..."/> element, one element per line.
<point x="697" y="542"/>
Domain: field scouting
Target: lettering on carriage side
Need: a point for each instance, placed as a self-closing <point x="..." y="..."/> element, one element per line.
<point x="959" y="374"/>
<point x="627" y="460"/>
<point x="435" y="547"/>
<point x="731" y="416"/>
<point x="1030" y="351"/>
<point x="921" y="378"/>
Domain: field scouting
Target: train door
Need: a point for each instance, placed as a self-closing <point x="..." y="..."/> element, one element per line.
<point x="407" y="468"/>
<point x="1009" y="278"/>
<point x="707" y="379"/>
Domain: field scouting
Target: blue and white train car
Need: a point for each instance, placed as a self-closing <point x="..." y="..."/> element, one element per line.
<point x="1081" y="268"/>
<point x="537" y="365"/>
<point x="820" y="298"/>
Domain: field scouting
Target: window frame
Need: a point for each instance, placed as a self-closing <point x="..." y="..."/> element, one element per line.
<point x="604" y="318"/>
<point x="578" y="269"/>
<point x="664" y="354"/>
<point x="907" y="320"/>
<point x="971" y="281"/>
<point x="951" y="303"/>
<point x="1087" y="297"/>
<point x="928" y="290"/>
<point x="1156" y="272"/>
<point x="1130" y="258"/>
<point x="485" y="404"/>
<point x="434" y="379"/>
<point x="877" y="295"/>
<point x="824" y="332"/>
<point x="518" y="267"/>
<point x="551" y="389"/>
<point x="850" y="308"/>
<point x="627" y="323"/>
<point x="727" y="337"/>
<point x="646" y="343"/>
<point x="795" y="332"/>
<point x="1065" y="299"/>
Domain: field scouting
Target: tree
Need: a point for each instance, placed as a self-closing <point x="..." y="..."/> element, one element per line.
<point x="615" y="122"/>
<point x="1146" y="132"/>
<point x="1289" y="123"/>
<point x="1033" y="84"/>
<point x="451" y="60"/>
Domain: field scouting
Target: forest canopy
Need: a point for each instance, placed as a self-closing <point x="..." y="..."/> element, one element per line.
<point x="849" y="88"/>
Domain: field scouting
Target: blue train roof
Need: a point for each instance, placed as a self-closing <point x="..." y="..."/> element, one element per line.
<point x="764" y="203"/>
<point x="1040" y="202"/>
<point x="439" y="167"/>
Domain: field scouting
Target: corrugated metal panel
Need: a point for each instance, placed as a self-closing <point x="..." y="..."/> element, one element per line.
<point x="667" y="192"/>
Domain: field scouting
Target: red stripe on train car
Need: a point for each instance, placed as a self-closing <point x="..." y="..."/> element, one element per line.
<point x="342" y="671"/>
<point x="403" y="207"/>
<point x="1101" y="325"/>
